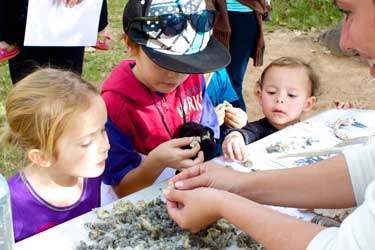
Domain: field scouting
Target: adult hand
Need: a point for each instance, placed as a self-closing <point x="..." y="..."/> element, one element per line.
<point x="234" y="147"/>
<point x="235" y="117"/>
<point x="193" y="209"/>
<point x="207" y="174"/>
<point x="171" y="154"/>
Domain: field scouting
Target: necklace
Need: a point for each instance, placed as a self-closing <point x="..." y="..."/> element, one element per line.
<point x="162" y="115"/>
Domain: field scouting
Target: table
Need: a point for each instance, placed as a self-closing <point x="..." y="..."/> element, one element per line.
<point x="68" y="235"/>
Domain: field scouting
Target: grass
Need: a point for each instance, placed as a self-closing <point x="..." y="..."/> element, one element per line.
<point x="294" y="14"/>
<point x="304" y="14"/>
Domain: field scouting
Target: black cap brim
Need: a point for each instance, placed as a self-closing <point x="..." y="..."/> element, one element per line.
<point x="214" y="57"/>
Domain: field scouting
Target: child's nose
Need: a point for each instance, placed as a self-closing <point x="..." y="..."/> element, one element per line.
<point x="280" y="99"/>
<point x="104" y="143"/>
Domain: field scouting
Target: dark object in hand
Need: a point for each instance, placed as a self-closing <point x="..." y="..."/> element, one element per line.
<point x="205" y="137"/>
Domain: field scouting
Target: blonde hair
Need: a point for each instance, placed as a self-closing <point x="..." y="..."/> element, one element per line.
<point x="291" y="62"/>
<point x="39" y="107"/>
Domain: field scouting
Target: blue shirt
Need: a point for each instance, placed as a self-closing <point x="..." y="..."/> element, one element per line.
<point x="234" y="5"/>
<point x="220" y="88"/>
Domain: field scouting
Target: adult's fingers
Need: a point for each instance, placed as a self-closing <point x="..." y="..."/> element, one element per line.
<point x="187" y="173"/>
<point x="174" y="204"/>
<point x="174" y="195"/>
<point x="191" y="178"/>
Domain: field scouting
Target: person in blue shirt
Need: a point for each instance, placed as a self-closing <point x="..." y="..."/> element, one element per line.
<point x="222" y="95"/>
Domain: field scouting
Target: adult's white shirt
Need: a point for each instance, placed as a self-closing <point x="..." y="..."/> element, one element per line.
<point x="357" y="231"/>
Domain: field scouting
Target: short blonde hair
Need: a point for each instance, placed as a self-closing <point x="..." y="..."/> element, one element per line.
<point x="291" y="62"/>
<point x="39" y="107"/>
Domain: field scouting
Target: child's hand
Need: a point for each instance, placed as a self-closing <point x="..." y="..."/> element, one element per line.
<point x="235" y="117"/>
<point x="194" y="209"/>
<point x="343" y="105"/>
<point x="234" y="147"/>
<point x="170" y="153"/>
<point x="220" y="113"/>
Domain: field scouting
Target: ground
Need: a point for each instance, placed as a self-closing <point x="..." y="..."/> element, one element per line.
<point x="342" y="78"/>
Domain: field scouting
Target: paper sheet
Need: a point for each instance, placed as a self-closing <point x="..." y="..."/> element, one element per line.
<point x="51" y="23"/>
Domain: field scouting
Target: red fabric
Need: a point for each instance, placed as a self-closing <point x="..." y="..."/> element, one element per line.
<point x="132" y="110"/>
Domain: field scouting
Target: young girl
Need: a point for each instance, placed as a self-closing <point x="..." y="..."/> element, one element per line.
<point x="287" y="88"/>
<point x="58" y="120"/>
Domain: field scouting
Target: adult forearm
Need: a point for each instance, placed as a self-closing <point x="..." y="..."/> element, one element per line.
<point x="268" y="227"/>
<point x="325" y="184"/>
<point x="140" y="177"/>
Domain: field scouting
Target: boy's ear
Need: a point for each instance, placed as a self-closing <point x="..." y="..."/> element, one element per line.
<point x="309" y="104"/>
<point x="125" y="40"/>
<point x="39" y="158"/>
<point x="132" y="51"/>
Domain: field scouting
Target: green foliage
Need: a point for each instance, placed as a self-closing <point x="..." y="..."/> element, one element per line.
<point x="304" y="14"/>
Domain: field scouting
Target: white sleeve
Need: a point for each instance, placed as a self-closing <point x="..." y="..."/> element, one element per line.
<point x="357" y="232"/>
<point x="361" y="165"/>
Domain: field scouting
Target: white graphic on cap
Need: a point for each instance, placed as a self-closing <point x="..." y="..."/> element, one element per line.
<point x="189" y="41"/>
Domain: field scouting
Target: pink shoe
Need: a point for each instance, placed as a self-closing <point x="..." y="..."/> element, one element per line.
<point x="102" y="42"/>
<point x="8" y="52"/>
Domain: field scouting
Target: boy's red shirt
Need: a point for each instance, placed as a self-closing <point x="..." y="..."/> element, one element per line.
<point x="132" y="109"/>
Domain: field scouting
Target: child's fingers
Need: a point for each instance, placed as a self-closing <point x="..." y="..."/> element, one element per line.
<point x="234" y="121"/>
<point x="237" y="152"/>
<point x="230" y="111"/>
<point x="229" y="152"/>
<point x="243" y="152"/>
<point x="189" y="153"/>
<point x="188" y="162"/>
<point x="180" y="142"/>
<point x="224" y="147"/>
<point x="199" y="158"/>
<point x="231" y="123"/>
